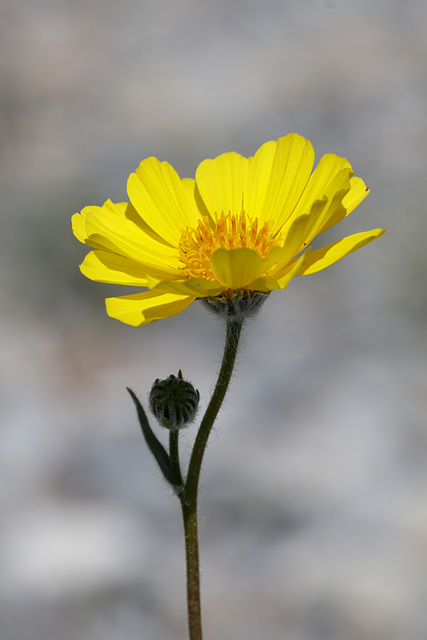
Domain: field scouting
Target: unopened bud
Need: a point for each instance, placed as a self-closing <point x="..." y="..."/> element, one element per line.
<point x="174" y="401"/>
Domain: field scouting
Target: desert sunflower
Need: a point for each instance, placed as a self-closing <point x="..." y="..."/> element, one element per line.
<point x="242" y="226"/>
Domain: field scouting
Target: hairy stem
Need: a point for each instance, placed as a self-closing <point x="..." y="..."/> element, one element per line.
<point x="189" y="495"/>
<point x="178" y="482"/>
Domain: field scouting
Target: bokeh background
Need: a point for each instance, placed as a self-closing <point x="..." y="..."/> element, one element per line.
<point x="314" y="500"/>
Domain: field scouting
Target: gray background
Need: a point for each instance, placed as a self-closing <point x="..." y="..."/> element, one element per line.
<point x="314" y="500"/>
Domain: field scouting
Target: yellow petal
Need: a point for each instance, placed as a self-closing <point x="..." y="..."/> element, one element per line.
<point x="220" y="182"/>
<point x="328" y="167"/>
<point x="298" y="235"/>
<point x="194" y="197"/>
<point x="331" y="181"/>
<point x="258" y="180"/>
<point x="78" y="223"/>
<point x="93" y="226"/>
<point x="104" y="266"/>
<point x="196" y="287"/>
<point x="324" y="257"/>
<point x="269" y="283"/>
<point x="358" y="192"/>
<point x="157" y="193"/>
<point x="118" y="234"/>
<point x="131" y="214"/>
<point x="334" y="210"/>
<point x="277" y="176"/>
<point x="237" y="268"/>
<point x="79" y="227"/>
<point x="91" y="237"/>
<point x="143" y="308"/>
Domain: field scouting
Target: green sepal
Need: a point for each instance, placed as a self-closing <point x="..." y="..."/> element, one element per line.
<point x="166" y="424"/>
<point x="155" y="446"/>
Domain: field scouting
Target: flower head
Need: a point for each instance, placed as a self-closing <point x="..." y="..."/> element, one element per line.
<point x="242" y="225"/>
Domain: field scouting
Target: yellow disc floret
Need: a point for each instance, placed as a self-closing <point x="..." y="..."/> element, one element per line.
<point x="229" y="232"/>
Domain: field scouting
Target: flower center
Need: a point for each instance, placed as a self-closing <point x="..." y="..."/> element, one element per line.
<point x="230" y="232"/>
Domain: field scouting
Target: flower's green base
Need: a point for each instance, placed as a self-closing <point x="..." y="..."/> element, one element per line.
<point x="236" y="307"/>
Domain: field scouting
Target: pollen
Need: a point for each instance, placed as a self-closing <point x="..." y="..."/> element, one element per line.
<point x="228" y="232"/>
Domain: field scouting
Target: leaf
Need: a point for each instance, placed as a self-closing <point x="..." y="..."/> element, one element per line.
<point x="155" y="446"/>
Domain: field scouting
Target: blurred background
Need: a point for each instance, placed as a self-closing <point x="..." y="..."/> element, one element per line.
<point x="314" y="500"/>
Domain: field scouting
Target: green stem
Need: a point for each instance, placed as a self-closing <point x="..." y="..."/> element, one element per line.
<point x="191" y="532"/>
<point x="190" y="494"/>
<point x="177" y="480"/>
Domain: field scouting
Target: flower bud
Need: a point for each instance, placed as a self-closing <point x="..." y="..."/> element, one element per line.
<point x="174" y="401"/>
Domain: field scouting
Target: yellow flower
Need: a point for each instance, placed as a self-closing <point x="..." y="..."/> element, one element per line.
<point x="243" y="225"/>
